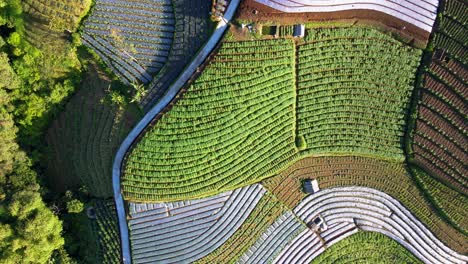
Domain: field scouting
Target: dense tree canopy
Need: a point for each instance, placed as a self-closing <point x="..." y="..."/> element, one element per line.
<point x="29" y="231"/>
<point x="30" y="91"/>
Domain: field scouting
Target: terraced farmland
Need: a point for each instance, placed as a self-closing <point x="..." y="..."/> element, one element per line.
<point x="274" y="239"/>
<point x="353" y="90"/>
<point x="81" y="141"/>
<point x="107" y="230"/>
<point x="47" y="20"/>
<point x="267" y="210"/>
<point x="371" y="210"/>
<point x="419" y="13"/>
<point x="308" y="244"/>
<point x="133" y="38"/>
<point x="331" y="107"/>
<point x="389" y="177"/>
<point x="440" y="136"/>
<point x="451" y="203"/>
<point x="241" y="106"/>
<point x="368" y="246"/>
<point x="256" y="110"/>
<point x="184" y="231"/>
<point x="192" y="30"/>
<point x="239" y="123"/>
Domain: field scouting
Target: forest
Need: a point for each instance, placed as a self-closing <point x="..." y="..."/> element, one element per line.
<point x="39" y="71"/>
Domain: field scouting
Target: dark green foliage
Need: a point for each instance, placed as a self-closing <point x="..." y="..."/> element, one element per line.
<point x="450" y="203"/>
<point x="29" y="231"/>
<point x="301" y="143"/>
<point x="30" y="92"/>
<point x="88" y="132"/>
<point x="107" y="232"/>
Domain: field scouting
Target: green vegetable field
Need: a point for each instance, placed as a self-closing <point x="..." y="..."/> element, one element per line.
<point x="366" y="247"/>
<point x="244" y="101"/>
<point x="247" y="100"/>
<point x="353" y="92"/>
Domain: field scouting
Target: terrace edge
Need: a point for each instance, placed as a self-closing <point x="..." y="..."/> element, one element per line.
<point x="143" y="123"/>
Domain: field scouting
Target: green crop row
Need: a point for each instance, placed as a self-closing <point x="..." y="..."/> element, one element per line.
<point x="369" y="247"/>
<point x="237" y="123"/>
<point x="363" y="75"/>
<point x="107" y="229"/>
<point x="263" y="216"/>
<point x="451" y="203"/>
<point x="225" y="131"/>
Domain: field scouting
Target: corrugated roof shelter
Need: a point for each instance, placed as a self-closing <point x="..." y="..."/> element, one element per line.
<point x="299" y="30"/>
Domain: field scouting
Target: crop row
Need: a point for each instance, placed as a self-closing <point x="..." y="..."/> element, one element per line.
<point x="373" y="210"/>
<point x="117" y="59"/>
<point x="274" y="239"/>
<point x="216" y="138"/>
<point x="370" y="246"/>
<point x="389" y="177"/>
<point x="439" y="136"/>
<point x="107" y="227"/>
<point x="134" y="40"/>
<point x="192" y="30"/>
<point x="456" y="9"/>
<point x="265" y="213"/>
<point x="363" y="74"/>
<point x="87" y="133"/>
<point x="184" y="232"/>
<point x="419" y="13"/>
<point x="196" y="145"/>
<point x="308" y="244"/>
<point x="453" y="205"/>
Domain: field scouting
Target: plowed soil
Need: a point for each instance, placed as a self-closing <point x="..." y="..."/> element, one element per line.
<point x="256" y="12"/>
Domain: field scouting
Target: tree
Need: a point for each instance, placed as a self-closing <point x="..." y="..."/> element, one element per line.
<point x="33" y="232"/>
<point x="75" y="206"/>
<point x="140" y="92"/>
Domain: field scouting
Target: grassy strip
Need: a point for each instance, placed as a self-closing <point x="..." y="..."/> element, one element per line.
<point x="366" y="247"/>
<point x="264" y="214"/>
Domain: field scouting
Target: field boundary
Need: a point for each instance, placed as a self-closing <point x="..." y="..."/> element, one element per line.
<point x="171" y="93"/>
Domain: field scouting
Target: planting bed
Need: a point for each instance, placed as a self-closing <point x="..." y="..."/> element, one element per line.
<point x="419" y="13"/>
<point x="107" y="231"/>
<point x="368" y="246"/>
<point x="452" y="204"/>
<point x="262" y="216"/>
<point x="389" y="177"/>
<point x="83" y="138"/>
<point x="185" y="231"/>
<point x="192" y="30"/>
<point x="440" y="136"/>
<point x="369" y="210"/>
<point x="133" y="38"/>
<point x="353" y="89"/>
<point x="46" y="20"/>
<point x="233" y="125"/>
<point x="245" y="100"/>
